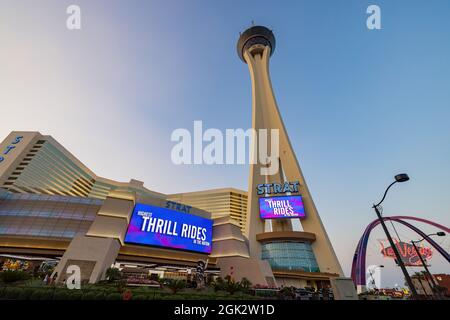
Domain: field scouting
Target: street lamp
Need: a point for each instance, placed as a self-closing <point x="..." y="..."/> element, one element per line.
<point x="402" y="177"/>
<point x="434" y="284"/>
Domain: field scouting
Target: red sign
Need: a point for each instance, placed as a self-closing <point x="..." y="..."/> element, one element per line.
<point x="408" y="253"/>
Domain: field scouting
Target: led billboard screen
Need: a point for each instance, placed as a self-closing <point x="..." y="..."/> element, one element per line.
<point x="281" y="207"/>
<point x="162" y="227"/>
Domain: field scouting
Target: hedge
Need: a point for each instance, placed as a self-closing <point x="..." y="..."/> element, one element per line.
<point x="89" y="296"/>
<point x="25" y="294"/>
<point x="12" y="293"/>
<point x="99" y="296"/>
<point x="36" y="295"/>
<point x="9" y="276"/>
<point x="114" y="296"/>
<point x="75" y="295"/>
<point x="61" y="295"/>
<point x="52" y="293"/>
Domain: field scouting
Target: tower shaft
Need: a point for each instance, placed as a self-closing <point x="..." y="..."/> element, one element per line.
<point x="266" y="115"/>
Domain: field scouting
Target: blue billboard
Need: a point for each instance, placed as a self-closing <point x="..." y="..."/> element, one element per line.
<point x="162" y="227"/>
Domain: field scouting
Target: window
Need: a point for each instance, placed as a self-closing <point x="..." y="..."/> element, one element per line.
<point x="46" y="215"/>
<point x="290" y="255"/>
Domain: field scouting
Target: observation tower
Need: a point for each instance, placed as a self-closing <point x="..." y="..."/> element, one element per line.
<point x="295" y="250"/>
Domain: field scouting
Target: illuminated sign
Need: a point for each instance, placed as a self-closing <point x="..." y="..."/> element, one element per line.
<point x="10" y="147"/>
<point x="162" y="227"/>
<point x="178" y="206"/>
<point x="274" y="188"/>
<point x="281" y="207"/>
<point x="407" y="252"/>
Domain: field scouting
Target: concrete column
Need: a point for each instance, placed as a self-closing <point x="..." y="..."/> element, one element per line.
<point x="97" y="250"/>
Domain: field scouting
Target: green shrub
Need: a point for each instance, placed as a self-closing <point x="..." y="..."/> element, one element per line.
<point x="36" y="295"/>
<point x="176" y="285"/>
<point x="47" y="294"/>
<point x="10" y="276"/>
<point x="17" y="293"/>
<point x="231" y="286"/>
<point x="218" y="284"/>
<point x="99" y="296"/>
<point x="114" y="296"/>
<point x="196" y="296"/>
<point x="25" y="294"/>
<point x="89" y="296"/>
<point x="113" y="274"/>
<point x="61" y="295"/>
<point x="3" y="291"/>
<point x="155" y="296"/>
<point x="12" y="293"/>
<point x="245" y="284"/>
<point x="174" y="297"/>
<point x="75" y="294"/>
<point x="139" y="297"/>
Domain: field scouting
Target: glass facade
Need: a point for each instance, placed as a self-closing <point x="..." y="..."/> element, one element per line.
<point x="60" y="217"/>
<point x="46" y="169"/>
<point x="290" y="255"/>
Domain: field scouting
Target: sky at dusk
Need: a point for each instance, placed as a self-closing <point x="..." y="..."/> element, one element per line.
<point x="359" y="105"/>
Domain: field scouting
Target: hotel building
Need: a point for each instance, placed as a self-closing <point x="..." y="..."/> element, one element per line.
<point x="49" y="199"/>
<point x="226" y="202"/>
<point x="54" y="207"/>
<point x="36" y="164"/>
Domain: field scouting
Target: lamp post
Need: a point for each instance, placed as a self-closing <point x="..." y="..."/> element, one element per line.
<point x="398" y="178"/>
<point x="424" y="264"/>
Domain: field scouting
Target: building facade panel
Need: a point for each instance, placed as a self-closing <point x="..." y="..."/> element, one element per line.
<point x="220" y="202"/>
<point x="46" y="215"/>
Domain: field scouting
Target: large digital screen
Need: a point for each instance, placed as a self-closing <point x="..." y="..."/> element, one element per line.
<point x="281" y="207"/>
<point x="162" y="227"/>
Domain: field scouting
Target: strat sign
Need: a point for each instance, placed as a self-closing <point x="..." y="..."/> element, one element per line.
<point x="407" y="252"/>
<point x="270" y="188"/>
<point x="10" y="147"/>
<point x="163" y="227"/>
<point x="281" y="207"/>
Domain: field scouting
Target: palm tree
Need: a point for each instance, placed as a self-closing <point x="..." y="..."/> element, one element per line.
<point x="218" y="284"/>
<point x="176" y="285"/>
<point x="245" y="284"/>
<point x="231" y="286"/>
<point x="113" y="274"/>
